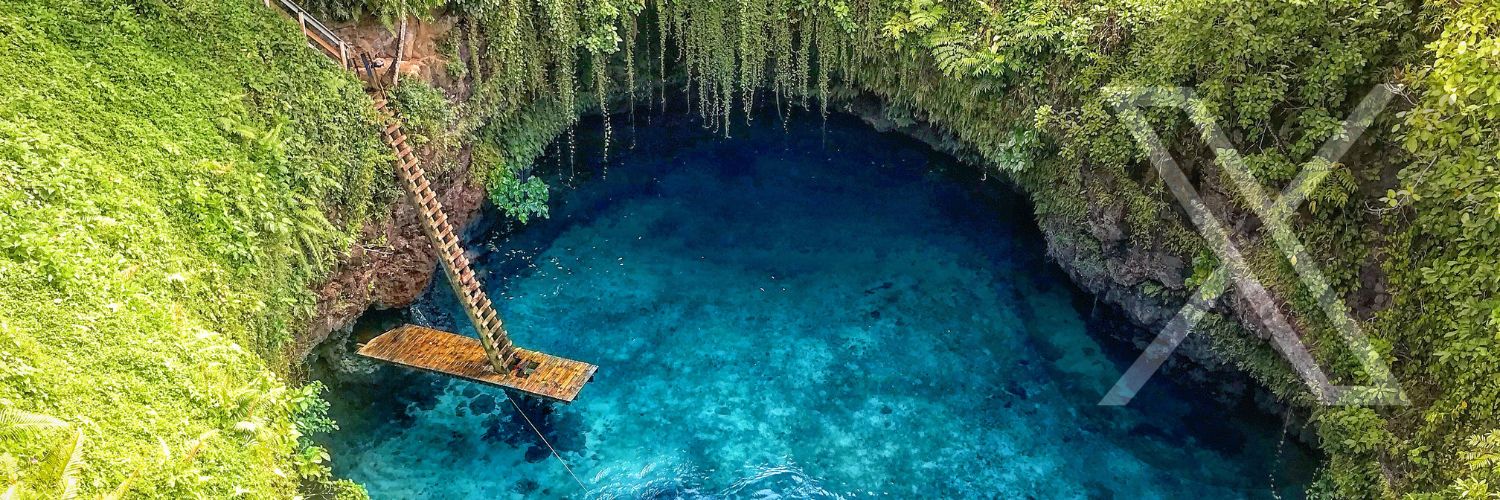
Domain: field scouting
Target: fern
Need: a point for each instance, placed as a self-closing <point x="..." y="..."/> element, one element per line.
<point x="16" y="422"/>
<point x="62" y="466"/>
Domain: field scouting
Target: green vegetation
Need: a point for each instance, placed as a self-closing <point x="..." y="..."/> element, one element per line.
<point x="1445" y="265"/>
<point x="426" y="115"/>
<point x="1019" y="85"/>
<point x="171" y="193"/>
<point x="389" y="12"/>
<point x="173" y="178"/>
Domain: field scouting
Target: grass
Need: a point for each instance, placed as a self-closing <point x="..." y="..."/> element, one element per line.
<point x="172" y="179"/>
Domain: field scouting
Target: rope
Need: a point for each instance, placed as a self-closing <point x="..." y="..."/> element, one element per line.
<point x="548" y="443"/>
<point x="1285" y="428"/>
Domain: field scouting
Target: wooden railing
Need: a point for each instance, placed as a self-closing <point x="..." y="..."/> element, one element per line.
<point x="318" y="35"/>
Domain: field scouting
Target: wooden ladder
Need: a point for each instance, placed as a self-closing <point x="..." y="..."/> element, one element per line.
<point x="497" y="345"/>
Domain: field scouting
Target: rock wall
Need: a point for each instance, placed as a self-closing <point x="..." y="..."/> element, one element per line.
<point x="1097" y="255"/>
<point x="392" y="263"/>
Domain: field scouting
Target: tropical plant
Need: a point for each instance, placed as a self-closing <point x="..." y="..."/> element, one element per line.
<point x="56" y="474"/>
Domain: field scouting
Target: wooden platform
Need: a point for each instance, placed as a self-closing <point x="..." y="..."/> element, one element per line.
<point x="455" y="355"/>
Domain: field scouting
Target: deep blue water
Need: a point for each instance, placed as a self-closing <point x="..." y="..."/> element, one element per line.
<point x="806" y="310"/>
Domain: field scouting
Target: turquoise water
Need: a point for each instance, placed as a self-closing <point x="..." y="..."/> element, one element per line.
<point x="802" y="311"/>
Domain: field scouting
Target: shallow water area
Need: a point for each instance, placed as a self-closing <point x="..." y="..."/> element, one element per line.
<point x="804" y="310"/>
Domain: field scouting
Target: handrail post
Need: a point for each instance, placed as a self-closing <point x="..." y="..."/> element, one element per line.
<point x="318" y="35"/>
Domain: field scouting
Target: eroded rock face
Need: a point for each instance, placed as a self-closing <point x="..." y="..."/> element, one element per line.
<point x="1098" y="255"/>
<point x="392" y="264"/>
<point x="422" y="58"/>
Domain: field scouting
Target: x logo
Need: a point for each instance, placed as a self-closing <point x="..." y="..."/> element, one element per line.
<point x="1383" y="390"/>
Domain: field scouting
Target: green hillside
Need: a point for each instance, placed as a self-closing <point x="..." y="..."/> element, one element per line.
<point x="174" y="177"/>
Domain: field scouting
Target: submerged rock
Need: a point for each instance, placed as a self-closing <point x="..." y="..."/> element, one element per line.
<point x="482" y="405"/>
<point x="536" y="454"/>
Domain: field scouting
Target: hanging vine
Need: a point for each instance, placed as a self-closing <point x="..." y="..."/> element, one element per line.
<point x="1016" y="82"/>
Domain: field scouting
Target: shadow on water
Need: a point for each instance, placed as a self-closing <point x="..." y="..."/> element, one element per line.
<point x="806" y="310"/>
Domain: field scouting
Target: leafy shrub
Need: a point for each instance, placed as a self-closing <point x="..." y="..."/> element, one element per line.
<point x="425" y="111"/>
<point x="173" y="178"/>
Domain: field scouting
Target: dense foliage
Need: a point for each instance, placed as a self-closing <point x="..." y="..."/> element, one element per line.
<point x="426" y="115"/>
<point x="1019" y="84"/>
<point x="197" y="138"/>
<point x="172" y="179"/>
<point x="1445" y="267"/>
<point x="389" y="12"/>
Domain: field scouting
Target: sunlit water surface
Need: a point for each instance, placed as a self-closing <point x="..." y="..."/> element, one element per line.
<point x="804" y="311"/>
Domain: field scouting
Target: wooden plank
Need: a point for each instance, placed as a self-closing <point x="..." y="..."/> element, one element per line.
<point x="436" y="351"/>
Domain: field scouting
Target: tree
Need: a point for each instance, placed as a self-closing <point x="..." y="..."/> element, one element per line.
<point x="398" y="12"/>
